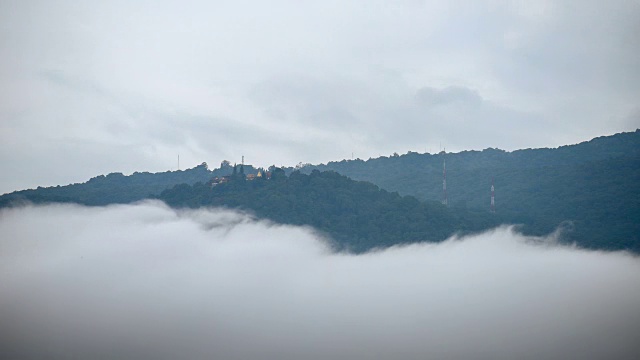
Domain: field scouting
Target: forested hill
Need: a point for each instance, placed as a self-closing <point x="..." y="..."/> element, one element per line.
<point x="593" y="186"/>
<point x="119" y="188"/>
<point x="112" y="188"/>
<point x="357" y="215"/>
<point x="421" y="174"/>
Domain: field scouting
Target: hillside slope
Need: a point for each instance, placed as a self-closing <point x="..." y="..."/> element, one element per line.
<point x="357" y="215"/>
<point x="593" y="186"/>
<point x="591" y="189"/>
<point x="118" y="188"/>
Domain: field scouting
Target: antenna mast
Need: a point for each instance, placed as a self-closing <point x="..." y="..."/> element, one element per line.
<point x="493" y="198"/>
<point x="445" y="201"/>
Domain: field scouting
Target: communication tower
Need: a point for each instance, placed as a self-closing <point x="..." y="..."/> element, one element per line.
<point x="445" y="201"/>
<point x="493" y="197"/>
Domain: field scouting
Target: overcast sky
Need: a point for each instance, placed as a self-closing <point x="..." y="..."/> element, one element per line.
<point x="92" y="87"/>
<point x="146" y="282"/>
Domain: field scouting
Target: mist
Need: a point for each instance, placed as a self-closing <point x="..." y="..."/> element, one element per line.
<point x="145" y="281"/>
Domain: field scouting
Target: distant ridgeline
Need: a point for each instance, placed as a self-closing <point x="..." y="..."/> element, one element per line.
<point x="590" y="189"/>
<point x="593" y="187"/>
<point x="117" y="188"/>
<point x="357" y="215"/>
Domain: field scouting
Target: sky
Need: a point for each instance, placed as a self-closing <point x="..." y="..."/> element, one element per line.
<point x="89" y="88"/>
<point x="144" y="281"/>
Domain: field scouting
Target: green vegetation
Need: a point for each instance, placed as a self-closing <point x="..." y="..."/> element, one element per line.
<point x="357" y="215"/>
<point x="590" y="189"/>
<point x="593" y="187"/>
<point x="117" y="188"/>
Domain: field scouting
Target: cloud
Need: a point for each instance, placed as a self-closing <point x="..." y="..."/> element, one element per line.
<point x="457" y="95"/>
<point x="145" y="281"/>
<point x="286" y="82"/>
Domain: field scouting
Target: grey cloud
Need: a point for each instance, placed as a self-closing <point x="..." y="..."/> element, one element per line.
<point x="144" y="281"/>
<point x="582" y="45"/>
<point x="308" y="77"/>
<point x="61" y="79"/>
<point x="312" y="101"/>
<point x="633" y="119"/>
<point x="456" y="95"/>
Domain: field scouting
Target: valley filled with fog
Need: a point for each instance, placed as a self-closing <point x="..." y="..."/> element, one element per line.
<point x="146" y="281"/>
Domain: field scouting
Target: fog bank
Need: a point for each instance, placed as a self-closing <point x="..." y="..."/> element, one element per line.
<point x="147" y="282"/>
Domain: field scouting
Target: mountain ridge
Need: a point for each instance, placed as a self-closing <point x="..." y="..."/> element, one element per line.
<point x="594" y="185"/>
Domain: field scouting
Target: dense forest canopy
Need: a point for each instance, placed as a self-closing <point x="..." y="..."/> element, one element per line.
<point x="119" y="188"/>
<point x="357" y="215"/>
<point x="591" y="189"/>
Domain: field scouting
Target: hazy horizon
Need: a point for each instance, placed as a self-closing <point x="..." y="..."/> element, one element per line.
<point x="89" y="88"/>
<point x="216" y="163"/>
<point x="119" y="86"/>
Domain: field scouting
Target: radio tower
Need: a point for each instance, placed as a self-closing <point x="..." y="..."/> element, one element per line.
<point x="493" y="198"/>
<point x="444" y="180"/>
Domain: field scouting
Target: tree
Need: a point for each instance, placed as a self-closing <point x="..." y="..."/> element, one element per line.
<point x="277" y="173"/>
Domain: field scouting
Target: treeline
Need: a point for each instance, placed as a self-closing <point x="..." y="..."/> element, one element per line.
<point x="116" y="188"/>
<point x="357" y="215"/>
<point x="592" y="188"/>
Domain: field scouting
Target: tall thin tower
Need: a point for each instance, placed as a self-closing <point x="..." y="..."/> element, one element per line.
<point x="493" y="197"/>
<point x="445" y="201"/>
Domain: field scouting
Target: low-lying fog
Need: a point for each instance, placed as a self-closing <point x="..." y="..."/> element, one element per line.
<point x="146" y="282"/>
